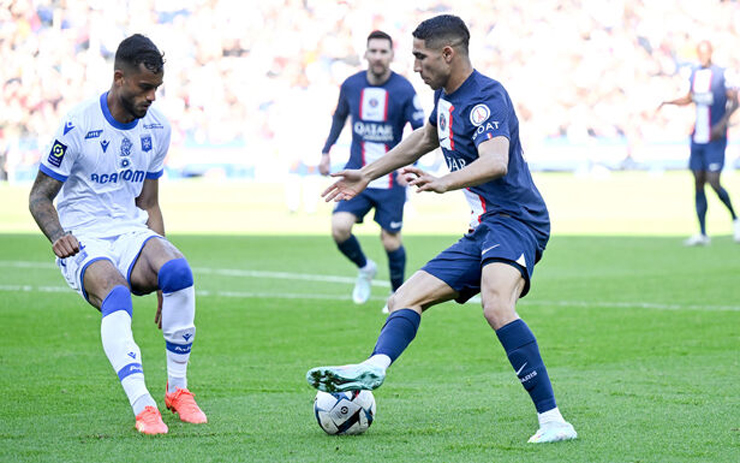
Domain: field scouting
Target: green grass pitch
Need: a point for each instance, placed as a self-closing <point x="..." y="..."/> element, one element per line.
<point x="641" y="337"/>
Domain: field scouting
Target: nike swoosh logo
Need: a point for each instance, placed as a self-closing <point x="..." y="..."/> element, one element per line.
<point x="522" y="368"/>
<point x="488" y="249"/>
<point x="396" y="224"/>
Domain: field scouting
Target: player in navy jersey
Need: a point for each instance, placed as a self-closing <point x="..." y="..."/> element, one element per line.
<point x="716" y="99"/>
<point x="380" y="103"/>
<point x="107" y="230"/>
<point x="475" y="125"/>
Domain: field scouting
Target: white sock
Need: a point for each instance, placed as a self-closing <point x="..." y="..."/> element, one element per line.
<point x="178" y="315"/>
<point x="381" y="361"/>
<point x="550" y="416"/>
<point x="124" y="355"/>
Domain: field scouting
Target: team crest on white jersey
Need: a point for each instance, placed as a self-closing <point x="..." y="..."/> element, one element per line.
<point x="479" y="114"/>
<point x="146" y="143"/>
<point x="126" y="146"/>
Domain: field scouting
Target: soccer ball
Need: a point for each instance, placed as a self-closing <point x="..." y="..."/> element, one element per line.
<point x="349" y="412"/>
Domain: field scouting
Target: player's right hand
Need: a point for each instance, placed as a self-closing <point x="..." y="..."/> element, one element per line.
<point x="66" y="246"/>
<point x="351" y="182"/>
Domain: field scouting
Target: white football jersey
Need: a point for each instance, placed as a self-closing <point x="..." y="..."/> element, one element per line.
<point x="103" y="164"/>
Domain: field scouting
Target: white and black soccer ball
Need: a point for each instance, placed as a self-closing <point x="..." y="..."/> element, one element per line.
<point x="349" y="412"/>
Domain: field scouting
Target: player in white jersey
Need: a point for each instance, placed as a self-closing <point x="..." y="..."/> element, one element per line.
<point x="107" y="229"/>
<point x="715" y="98"/>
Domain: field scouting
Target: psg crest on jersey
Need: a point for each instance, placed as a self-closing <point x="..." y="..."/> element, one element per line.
<point x="442" y="122"/>
<point x="146" y="143"/>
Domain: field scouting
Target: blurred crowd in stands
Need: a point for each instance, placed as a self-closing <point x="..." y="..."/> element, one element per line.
<point x="260" y="78"/>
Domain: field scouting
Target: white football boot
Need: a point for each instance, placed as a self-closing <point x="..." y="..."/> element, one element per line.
<point x="553" y="431"/>
<point x="698" y="240"/>
<point x="736" y="230"/>
<point x="365" y="276"/>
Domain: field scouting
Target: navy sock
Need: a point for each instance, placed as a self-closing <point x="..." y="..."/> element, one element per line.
<point x="701" y="210"/>
<point x="397" y="333"/>
<point x="521" y="348"/>
<point x="725" y="198"/>
<point x="397" y="266"/>
<point x="351" y="248"/>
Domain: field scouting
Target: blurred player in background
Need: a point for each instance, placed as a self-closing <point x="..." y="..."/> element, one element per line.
<point x="380" y="103"/>
<point x="107" y="230"/>
<point x="475" y="125"/>
<point x="716" y="100"/>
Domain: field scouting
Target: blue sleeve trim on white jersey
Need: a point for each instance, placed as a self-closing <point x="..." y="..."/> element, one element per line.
<point x="154" y="175"/>
<point x="52" y="174"/>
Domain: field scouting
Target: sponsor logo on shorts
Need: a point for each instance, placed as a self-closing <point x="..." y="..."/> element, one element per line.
<point x="488" y="249"/>
<point x="396" y="224"/>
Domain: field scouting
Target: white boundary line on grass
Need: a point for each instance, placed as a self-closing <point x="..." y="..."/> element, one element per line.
<point x="335" y="297"/>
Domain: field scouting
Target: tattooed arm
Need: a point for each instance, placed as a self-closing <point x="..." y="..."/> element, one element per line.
<point x="41" y="205"/>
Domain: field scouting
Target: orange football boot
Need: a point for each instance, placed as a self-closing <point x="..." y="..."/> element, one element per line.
<point x="150" y="422"/>
<point x="182" y="402"/>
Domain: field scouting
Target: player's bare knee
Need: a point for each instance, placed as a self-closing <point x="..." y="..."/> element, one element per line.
<point x="498" y="310"/>
<point x="340" y="234"/>
<point x="391" y="241"/>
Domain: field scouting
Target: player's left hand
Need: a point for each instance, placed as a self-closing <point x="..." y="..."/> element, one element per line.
<point x="158" y="315"/>
<point x="424" y="181"/>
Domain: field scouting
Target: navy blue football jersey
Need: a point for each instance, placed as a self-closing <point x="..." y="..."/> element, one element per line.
<point x="479" y="110"/>
<point x="379" y="114"/>
<point x="709" y="92"/>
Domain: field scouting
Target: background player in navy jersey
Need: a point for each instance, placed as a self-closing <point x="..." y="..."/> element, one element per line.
<point x="380" y="103"/>
<point x="107" y="229"/>
<point x="475" y="125"/>
<point x="716" y="100"/>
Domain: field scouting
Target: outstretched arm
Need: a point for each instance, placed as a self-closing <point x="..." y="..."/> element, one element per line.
<point x="41" y="205"/>
<point x="411" y="148"/>
<point x="680" y="101"/>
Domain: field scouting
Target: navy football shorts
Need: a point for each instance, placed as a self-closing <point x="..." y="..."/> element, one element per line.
<point x="496" y="239"/>
<point x="708" y="157"/>
<point x="388" y="206"/>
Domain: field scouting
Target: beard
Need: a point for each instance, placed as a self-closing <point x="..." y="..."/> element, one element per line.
<point x="137" y="112"/>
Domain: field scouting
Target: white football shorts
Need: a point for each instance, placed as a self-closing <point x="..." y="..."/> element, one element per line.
<point x="122" y="251"/>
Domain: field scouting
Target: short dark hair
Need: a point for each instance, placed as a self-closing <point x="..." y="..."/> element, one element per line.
<point x="136" y="50"/>
<point x="445" y="29"/>
<point x="380" y="35"/>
